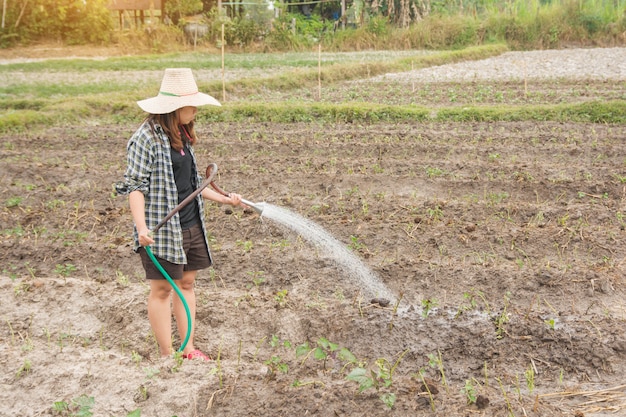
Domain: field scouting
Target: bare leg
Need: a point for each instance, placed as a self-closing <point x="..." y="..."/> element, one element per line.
<point x="160" y="314"/>
<point x="186" y="286"/>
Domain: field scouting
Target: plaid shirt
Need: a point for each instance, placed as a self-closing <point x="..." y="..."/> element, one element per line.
<point x="149" y="170"/>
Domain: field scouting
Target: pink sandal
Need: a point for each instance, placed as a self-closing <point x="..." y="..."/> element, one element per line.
<point x="197" y="354"/>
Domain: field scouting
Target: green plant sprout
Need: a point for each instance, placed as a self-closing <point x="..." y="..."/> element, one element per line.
<point x="276" y="342"/>
<point x="178" y="362"/>
<point x="297" y="383"/>
<point x="421" y="373"/>
<point x="281" y="244"/>
<point x="620" y="178"/>
<point x="21" y="288"/>
<point x="378" y="378"/>
<point x="355" y="244"/>
<point x="151" y="372"/>
<point x="257" y="278"/>
<point x="436" y="361"/>
<point x="389" y="399"/>
<point x="77" y="407"/>
<point x="121" y="278"/>
<point x="10" y="272"/>
<point x="281" y="298"/>
<point x="530" y="378"/>
<point x="24" y="369"/>
<point x="470" y="392"/>
<point x="136" y="358"/>
<point x="274" y="364"/>
<point x="17" y="231"/>
<point x="503" y="318"/>
<point x="494" y="157"/>
<point x="471" y="301"/>
<point x="435" y="213"/>
<point x="506" y="398"/>
<point x="245" y="245"/>
<point x="13" y="202"/>
<point x="433" y="172"/>
<point x="64" y="270"/>
<point x="320" y="352"/>
<point x="427" y="305"/>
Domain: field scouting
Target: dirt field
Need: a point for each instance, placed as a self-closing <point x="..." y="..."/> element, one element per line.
<point x="504" y="241"/>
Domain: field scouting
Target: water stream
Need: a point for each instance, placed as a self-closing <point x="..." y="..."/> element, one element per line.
<point x="354" y="268"/>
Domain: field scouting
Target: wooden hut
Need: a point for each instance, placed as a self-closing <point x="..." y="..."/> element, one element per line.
<point x="136" y="9"/>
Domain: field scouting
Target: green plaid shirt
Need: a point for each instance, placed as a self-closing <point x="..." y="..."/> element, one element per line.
<point x="149" y="170"/>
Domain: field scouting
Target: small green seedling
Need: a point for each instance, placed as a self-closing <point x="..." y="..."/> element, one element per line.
<point x="530" y="378"/>
<point x="427" y="305"/>
<point x="355" y="244"/>
<point x="13" y="202"/>
<point x="24" y="369"/>
<point x="435" y="213"/>
<point x="379" y="378"/>
<point x="178" y="361"/>
<point x="470" y="392"/>
<point x="78" y="407"/>
<point x="245" y="245"/>
<point x="297" y="383"/>
<point x="436" y="361"/>
<point x="276" y="363"/>
<point x="64" y="270"/>
<point x="281" y="298"/>
<point x="257" y="278"/>
<point x="503" y="318"/>
<point x="321" y="352"/>
<point x="389" y="399"/>
<point x="136" y="358"/>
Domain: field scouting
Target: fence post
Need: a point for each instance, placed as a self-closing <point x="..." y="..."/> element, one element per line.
<point x="223" y="79"/>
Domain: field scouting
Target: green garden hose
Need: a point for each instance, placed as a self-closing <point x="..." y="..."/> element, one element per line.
<point x="178" y="291"/>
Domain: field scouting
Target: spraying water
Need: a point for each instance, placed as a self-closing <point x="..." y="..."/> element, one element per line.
<point x="316" y="235"/>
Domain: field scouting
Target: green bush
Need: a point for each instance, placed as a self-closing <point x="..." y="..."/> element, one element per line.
<point x="241" y="30"/>
<point x="71" y="21"/>
<point x="178" y="9"/>
<point x="378" y="26"/>
<point x="305" y="33"/>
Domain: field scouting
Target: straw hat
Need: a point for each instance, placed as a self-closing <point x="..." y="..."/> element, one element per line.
<point x="178" y="89"/>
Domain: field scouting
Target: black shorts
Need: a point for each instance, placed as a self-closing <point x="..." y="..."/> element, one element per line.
<point x="195" y="249"/>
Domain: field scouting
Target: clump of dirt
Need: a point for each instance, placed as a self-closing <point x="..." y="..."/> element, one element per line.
<point x="502" y="241"/>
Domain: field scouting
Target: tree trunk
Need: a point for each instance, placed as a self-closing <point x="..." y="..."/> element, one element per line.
<point x="17" y="22"/>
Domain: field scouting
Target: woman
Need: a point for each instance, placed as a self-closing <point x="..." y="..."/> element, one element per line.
<point x="161" y="172"/>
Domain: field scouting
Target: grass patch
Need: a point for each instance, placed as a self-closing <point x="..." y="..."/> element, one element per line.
<point x="351" y="71"/>
<point x="589" y="112"/>
<point x="40" y="104"/>
<point x="290" y="112"/>
<point x="115" y="101"/>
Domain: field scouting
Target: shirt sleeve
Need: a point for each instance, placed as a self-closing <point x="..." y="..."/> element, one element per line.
<point x="140" y="162"/>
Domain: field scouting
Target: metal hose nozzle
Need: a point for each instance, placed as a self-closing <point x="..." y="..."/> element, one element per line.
<point x="258" y="207"/>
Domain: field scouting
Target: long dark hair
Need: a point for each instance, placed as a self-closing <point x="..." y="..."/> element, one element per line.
<point x="171" y="126"/>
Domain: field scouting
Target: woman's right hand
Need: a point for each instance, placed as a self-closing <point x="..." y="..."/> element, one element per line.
<point x="144" y="237"/>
